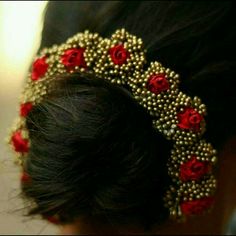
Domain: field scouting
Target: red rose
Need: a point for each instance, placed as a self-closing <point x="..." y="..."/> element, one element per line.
<point x="39" y="68"/>
<point x="189" y="119"/>
<point x="157" y="83"/>
<point x="53" y="220"/>
<point x="196" y="207"/>
<point x="73" y="57"/>
<point x="25" y="178"/>
<point x="25" y="108"/>
<point x="119" y="54"/>
<point x="193" y="169"/>
<point x="20" y="144"/>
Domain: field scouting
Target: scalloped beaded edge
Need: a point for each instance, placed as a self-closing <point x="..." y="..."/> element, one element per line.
<point x="180" y="118"/>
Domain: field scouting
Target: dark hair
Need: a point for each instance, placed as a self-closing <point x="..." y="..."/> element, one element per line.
<point x="94" y="153"/>
<point x="93" y="149"/>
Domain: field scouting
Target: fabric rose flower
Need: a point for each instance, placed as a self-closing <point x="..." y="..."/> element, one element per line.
<point x="189" y="119"/>
<point x="119" y="54"/>
<point x="73" y="57"/>
<point x="25" y="178"/>
<point x="194" y="169"/>
<point x="20" y="144"/>
<point x="25" y="108"/>
<point x="157" y="83"/>
<point x="53" y="220"/>
<point x="196" y="207"/>
<point x="39" y="68"/>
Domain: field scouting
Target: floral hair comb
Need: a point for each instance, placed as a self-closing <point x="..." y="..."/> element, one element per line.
<point x="180" y="118"/>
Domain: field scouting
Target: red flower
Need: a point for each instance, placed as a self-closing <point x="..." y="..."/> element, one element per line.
<point x="119" y="54"/>
<point x="194" y="169"/>
<point x="25" y="108"/>
<point x="20" y="144"/>
<point x="25" y="178"/>
<point x="196" y="207"/>
<point x="189" y="119"/>
<point x="73" y="57"/>
<point x="53" y="220"/>
<point x="157" y="83"/>
<point x="39" y="68"/>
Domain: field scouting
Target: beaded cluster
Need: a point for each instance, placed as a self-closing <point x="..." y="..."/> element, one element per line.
<point x="180" y="118"/>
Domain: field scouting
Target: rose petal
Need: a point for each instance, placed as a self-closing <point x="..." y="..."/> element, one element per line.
<point x="157" y="83"/>
<point x="25" y="108"/>
<point x="194" y="169"/>
<point x="73" y="57"/>
<point x="25" y="178"/>
<point x="20" y="144"/>
<point x="119" y="54"/>
<point x="39" y="68"/>
<point x="196" y="207"/>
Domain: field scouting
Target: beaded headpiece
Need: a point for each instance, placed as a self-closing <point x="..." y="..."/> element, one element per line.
<point x="180" y="118"/>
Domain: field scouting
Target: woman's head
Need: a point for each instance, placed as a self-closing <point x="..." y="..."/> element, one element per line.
<point x="93" y="151"/>
<point x="195" y="39"/>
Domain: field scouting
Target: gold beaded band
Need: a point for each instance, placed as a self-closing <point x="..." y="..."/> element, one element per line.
<point x="121" y="60"/>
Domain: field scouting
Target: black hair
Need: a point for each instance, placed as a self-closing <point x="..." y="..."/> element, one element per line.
<point x="94" y="153"/>
<point x="93" y="149"/>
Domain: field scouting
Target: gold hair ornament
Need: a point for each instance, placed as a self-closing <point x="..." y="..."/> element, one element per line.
<point x="178" y="117"/>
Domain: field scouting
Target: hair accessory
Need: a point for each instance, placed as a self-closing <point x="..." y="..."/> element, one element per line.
<point x="25" y="178"/>
<point x="180" y="118"/>
<point x="53" y="219"/>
